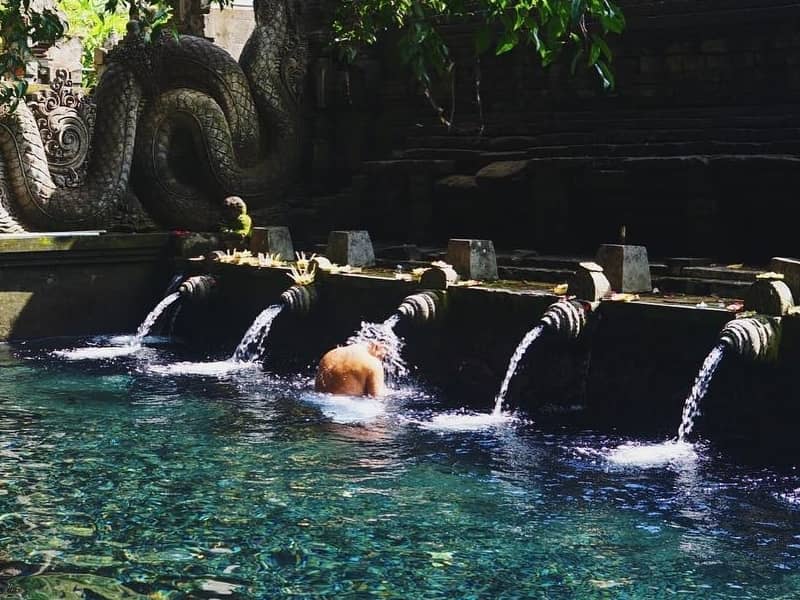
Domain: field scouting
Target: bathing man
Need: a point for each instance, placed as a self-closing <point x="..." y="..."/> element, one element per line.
<point x="353" y="370"/>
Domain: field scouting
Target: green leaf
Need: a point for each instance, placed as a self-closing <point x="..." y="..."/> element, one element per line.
<point x="606" y="75"/>
<point x="508" y="41"/>
<point x="594" y="54"/>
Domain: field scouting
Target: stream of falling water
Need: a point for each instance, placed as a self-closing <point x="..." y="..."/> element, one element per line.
<point x="150" y="320"/>
<point x="526" y="342"/>
<point x="691" y="407"/>
<point x="253" y="344"/>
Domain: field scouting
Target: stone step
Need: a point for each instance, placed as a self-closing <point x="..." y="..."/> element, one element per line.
<point x="466" y="160"/>
<point x="408" y="166"/>
<point x="611" y="136"/>
<point x="747" y="275"/>
<point x="623" y="121"/>
<point x="567" y="263"/>
<point x="535" y="274"/>
<point x="696" y="286"/>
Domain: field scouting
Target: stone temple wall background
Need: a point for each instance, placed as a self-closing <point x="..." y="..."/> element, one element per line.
<point x="699" y="140"/>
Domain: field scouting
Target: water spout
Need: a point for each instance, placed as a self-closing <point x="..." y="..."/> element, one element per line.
<point x="299" y="299"/>
<point x="567" y="319"/>
<point x="424" y="307"/>
<point x="197" y="288"/>
<point x="755" y="338"/>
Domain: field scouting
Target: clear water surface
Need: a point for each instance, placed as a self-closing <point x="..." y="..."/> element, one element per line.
<point x="121" y="481"/>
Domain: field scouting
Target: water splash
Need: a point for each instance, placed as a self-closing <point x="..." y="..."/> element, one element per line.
<point x="691" y="407"/>
<point x="347" y="409"/>
<point x="383" y="333"/>
<point x="150" y="320"/>
<point x="254" y="342"/>
<point x="465" y="421"/>
<point x="526" y="342"/>
<point x="96" y="352"/>
<point x="219" y="369"/>
<point x="645" y="456"/>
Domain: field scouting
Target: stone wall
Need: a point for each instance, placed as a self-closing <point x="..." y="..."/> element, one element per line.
<point x="698" y="138"/>
<point x="56" y="285"/>
<point x="230" y="27"/>
<point x="630" y="371"/>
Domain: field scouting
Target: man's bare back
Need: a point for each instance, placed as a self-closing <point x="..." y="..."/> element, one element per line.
<point x="354" y="370"/>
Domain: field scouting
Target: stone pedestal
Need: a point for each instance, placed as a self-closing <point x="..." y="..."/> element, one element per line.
<point x="272" y="240"/>
<point x="473" y="259"/>
<point x="790" y="269"/>
<point x="589" y="283"/>
<point x="352" y="248"/>
<point x="627" y="267"/>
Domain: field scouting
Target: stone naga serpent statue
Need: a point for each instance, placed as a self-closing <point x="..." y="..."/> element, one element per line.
<point x="178" y="125"/>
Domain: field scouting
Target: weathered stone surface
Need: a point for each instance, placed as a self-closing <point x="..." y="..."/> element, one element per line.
<point x="55" y="285"/>
<point x="352" y="248"/>
<point x="589" y="283"/>
<point x="627" y="267"/>
<point x="197" y="244"/>
<point x="473" y="259"/>
<point x="768" y="296"/>
<point x="272" y="240"/>
<point x="502" y="171"/>
<point x="790" y="269"/>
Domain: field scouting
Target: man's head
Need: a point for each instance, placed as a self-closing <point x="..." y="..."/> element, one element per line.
<point x="235" y="206"/>
<point x="377" y="349"/>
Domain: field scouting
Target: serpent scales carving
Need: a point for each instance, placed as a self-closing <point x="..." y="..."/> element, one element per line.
<point x="175" y="126"/>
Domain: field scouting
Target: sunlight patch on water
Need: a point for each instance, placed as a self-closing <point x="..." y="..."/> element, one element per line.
<point x="792" y="497"/>
<point x="646" y="456"/>
<point x="464" y="421"/>
<point x="347" y="409"/>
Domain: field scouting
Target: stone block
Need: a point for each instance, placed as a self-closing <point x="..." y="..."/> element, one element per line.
<point x="627" y="267"/>
<point x="352" y="248"/>
<point x="790" y="269"/>
<point x="272" y="240"/>
<point x="473" y="259"/>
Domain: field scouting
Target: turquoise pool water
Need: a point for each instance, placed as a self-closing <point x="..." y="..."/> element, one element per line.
<point x="118" y="480"/>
